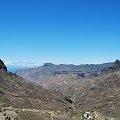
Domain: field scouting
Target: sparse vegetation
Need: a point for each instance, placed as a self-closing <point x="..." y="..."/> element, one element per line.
<point x="21" y="100"/>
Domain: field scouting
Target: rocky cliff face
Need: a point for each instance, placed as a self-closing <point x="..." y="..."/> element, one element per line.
<point x="2" y="65"/>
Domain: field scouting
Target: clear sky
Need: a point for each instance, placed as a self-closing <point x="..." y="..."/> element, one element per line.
<point x="59" y="31"/>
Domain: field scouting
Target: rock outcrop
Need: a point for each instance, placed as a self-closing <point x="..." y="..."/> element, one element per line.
<point x="113" y="68"/>
<point x="2" y="65"/>
<point x="116" y="64"/>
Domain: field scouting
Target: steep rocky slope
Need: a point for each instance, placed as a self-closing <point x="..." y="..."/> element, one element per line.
<point x="25" y="99"/>
<point x="101" y="94"/>
<point x="2" y="65"/>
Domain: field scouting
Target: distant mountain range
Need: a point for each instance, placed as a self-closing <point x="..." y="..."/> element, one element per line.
<point x="48" y="70"/>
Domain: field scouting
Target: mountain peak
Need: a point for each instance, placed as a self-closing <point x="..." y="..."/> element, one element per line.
<point x="2" y="65"/>
<point x="48" y="64"/>
<point x="116" y="64"/>
<point x="113" y="68"/>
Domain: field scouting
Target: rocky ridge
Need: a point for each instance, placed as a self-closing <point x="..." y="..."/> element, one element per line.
<point x="49" y="70"/>
<point x="113" y="68"/>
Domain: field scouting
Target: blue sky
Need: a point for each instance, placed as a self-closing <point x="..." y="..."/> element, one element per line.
<point x="59" y="31"/>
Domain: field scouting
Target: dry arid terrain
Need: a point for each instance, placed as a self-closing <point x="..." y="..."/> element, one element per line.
<point x="62" y="96"/>
<point x="100" y="93"/>
<point x="21" y="100"/>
